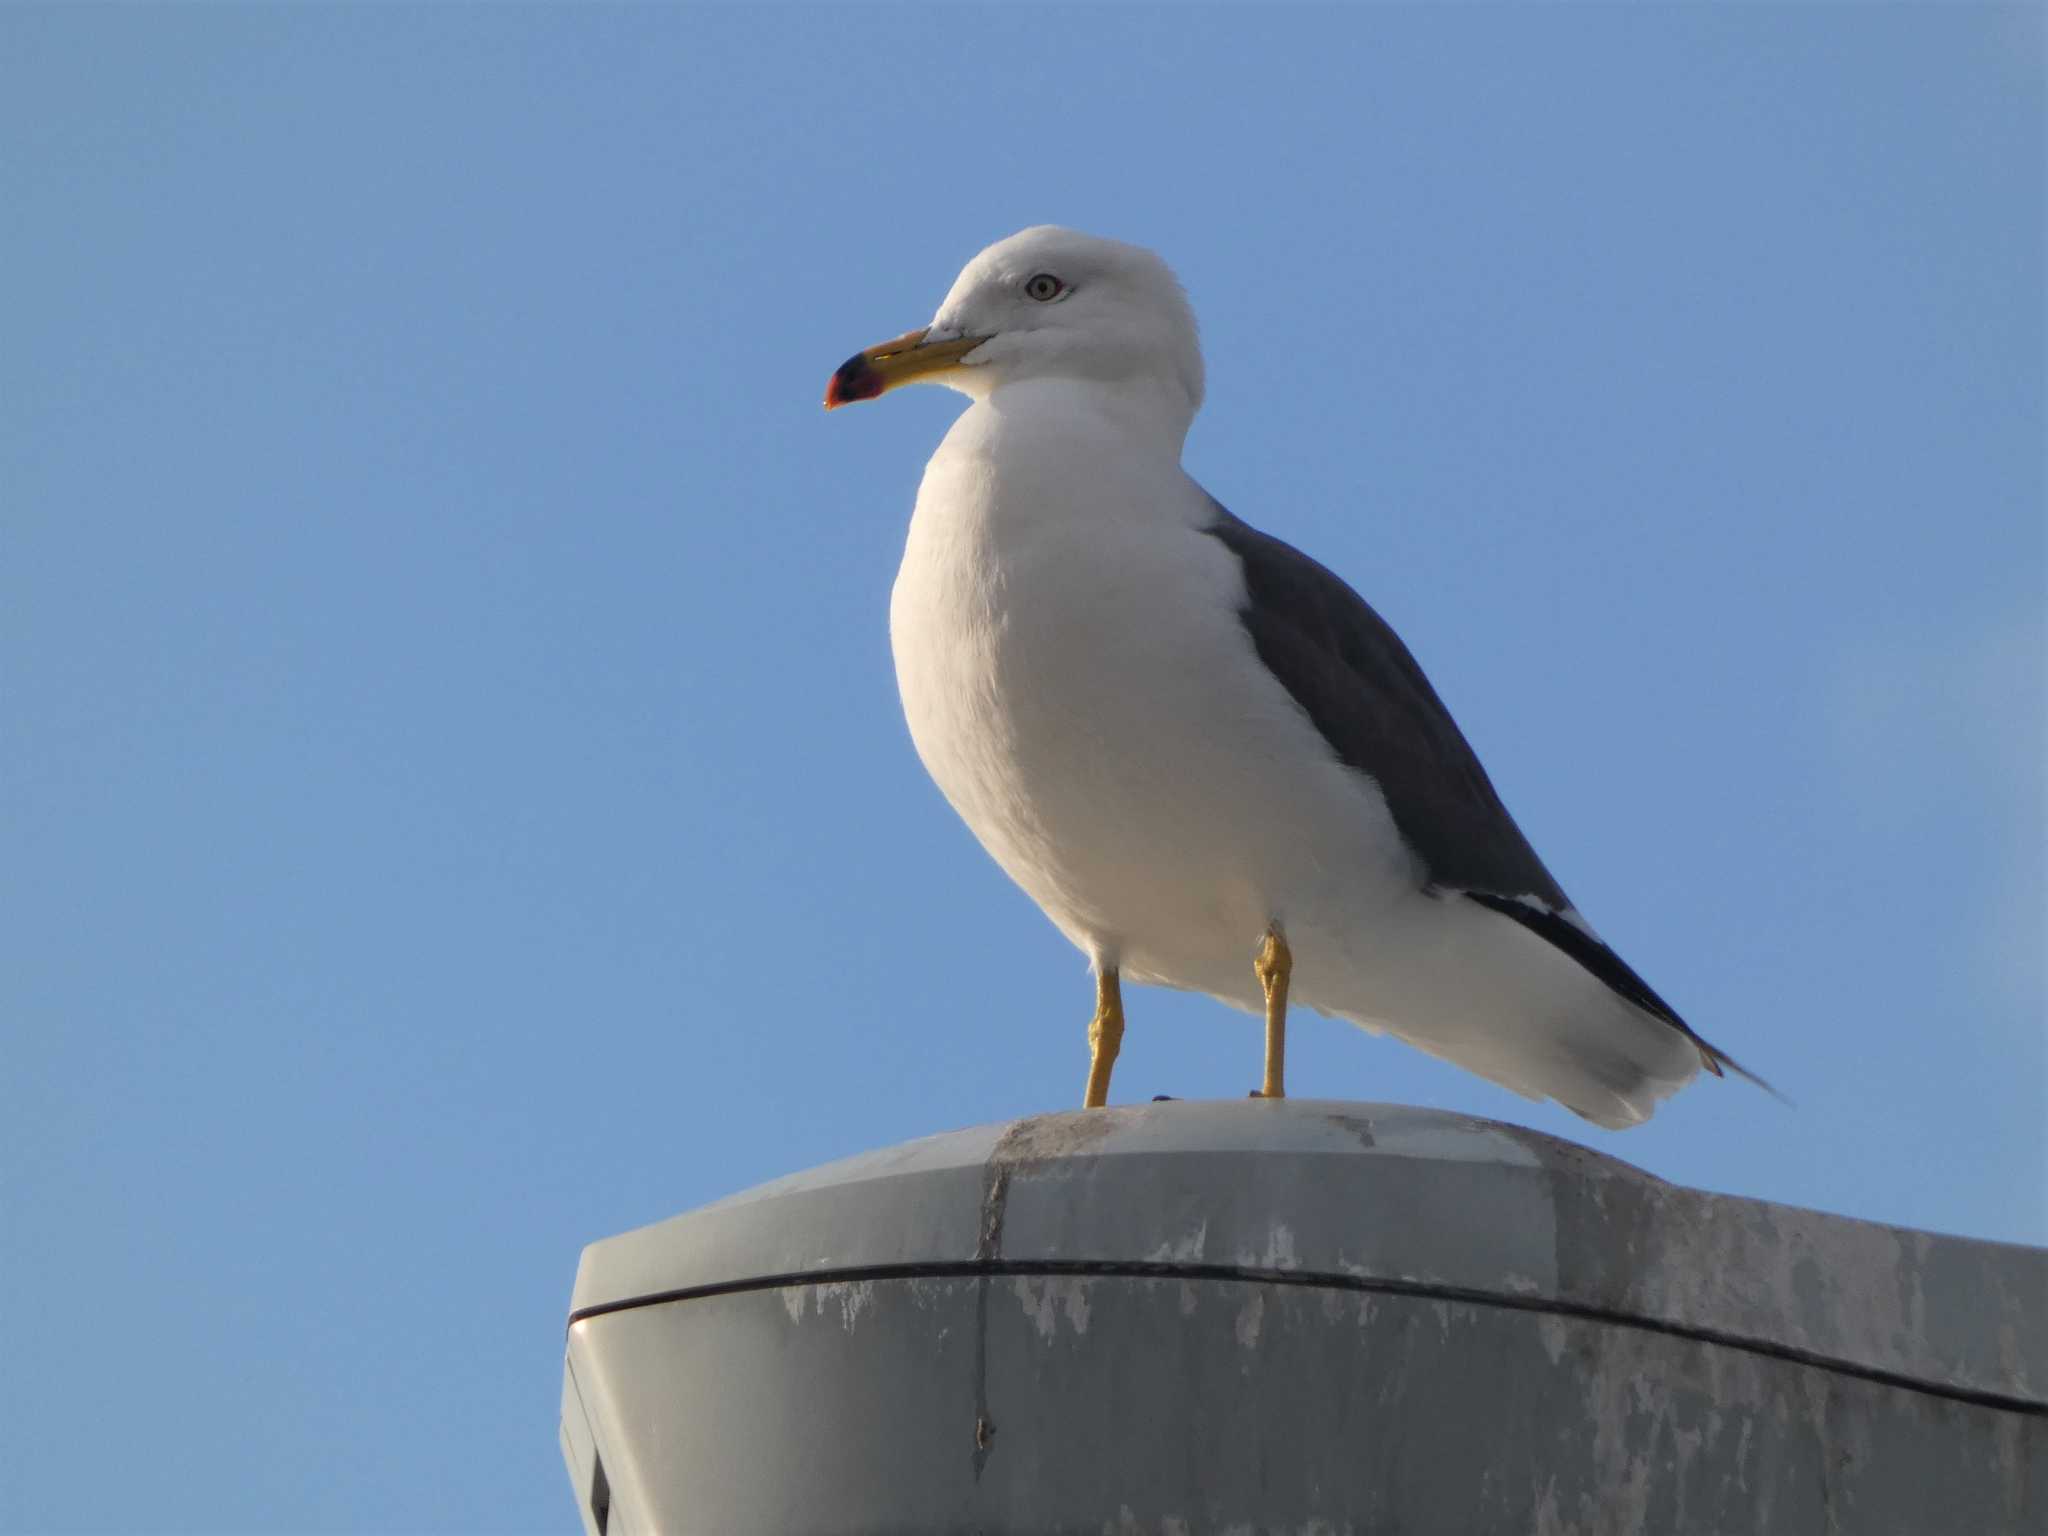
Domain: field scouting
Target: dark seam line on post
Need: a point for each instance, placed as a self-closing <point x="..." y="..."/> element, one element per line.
<point x="1132" y="1269"/>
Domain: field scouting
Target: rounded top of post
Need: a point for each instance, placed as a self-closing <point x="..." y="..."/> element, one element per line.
<point x="1366" y="1197"/>
<point x="1234" y="1181"/>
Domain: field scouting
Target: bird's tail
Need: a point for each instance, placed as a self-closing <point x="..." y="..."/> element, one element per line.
<point x="1720" y="1063"/>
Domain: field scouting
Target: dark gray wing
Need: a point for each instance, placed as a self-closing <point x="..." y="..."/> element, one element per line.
<point x="1355" y="680"/>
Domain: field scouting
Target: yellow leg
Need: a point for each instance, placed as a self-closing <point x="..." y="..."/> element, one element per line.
<point x="1105" y="1037"/>
<point x="1274" y="966"/>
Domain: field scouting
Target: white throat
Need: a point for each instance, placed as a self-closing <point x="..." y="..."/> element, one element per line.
<point x="1144" y="414"/>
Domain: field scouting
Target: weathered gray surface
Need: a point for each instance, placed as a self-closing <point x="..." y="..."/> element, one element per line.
<point x="1291" y="1317"/>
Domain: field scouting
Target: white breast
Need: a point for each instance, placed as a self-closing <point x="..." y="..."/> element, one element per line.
<point x="1079" y="685"/>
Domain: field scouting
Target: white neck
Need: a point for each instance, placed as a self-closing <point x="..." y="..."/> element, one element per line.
<point x="1151" y="414"/>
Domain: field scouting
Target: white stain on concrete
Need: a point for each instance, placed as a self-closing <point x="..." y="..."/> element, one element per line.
<point x="843" y="1299"/>
<point x="1127" y="1523"/>
<point x="1046" y="1299"/>
<point x="849" y="1298"/>
<point x="1278" y="1252"/>
<point x="1251" y="1317"/>
<point x="1186" y="1249"/>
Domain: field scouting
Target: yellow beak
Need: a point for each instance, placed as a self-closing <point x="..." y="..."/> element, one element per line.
<point x="882" y="367"/>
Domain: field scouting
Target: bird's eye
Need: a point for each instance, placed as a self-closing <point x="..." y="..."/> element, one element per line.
<point x="1044" y="288"/>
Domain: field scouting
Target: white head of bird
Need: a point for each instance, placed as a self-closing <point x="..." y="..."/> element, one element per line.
<point x="1047" y="303"/>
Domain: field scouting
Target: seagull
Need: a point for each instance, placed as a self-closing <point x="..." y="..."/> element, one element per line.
<point x="1204" y="756"/>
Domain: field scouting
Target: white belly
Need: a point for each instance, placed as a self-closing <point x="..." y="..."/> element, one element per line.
<point x="1078" y="683"/>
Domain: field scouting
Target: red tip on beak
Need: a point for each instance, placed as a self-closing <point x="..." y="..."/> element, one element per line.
<point x="882" y="367"/>
<point x="855" y="380"/>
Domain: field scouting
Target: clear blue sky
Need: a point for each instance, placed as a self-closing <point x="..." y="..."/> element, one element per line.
<point x="453" y="802"/>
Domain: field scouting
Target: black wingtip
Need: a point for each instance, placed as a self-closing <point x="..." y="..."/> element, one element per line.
<point x="1617" y="974"/>
<point x="1716" y="1060"/>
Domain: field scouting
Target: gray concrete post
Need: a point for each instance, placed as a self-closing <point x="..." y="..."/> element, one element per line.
<point x="1295" y="1316"/>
